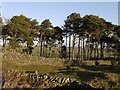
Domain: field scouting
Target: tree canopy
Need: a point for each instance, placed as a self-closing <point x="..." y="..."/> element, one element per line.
<point x="91" y="33"/>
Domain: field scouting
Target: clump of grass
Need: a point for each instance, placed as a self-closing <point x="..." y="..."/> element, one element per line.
<point x="114" y="63"/>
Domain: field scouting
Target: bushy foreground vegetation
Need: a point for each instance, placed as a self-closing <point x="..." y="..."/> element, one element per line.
<point x="34" y="80"/>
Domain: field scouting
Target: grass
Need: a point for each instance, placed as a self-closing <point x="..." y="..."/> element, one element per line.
<point x="41" y="68"/>
<point x="103" y="75"/>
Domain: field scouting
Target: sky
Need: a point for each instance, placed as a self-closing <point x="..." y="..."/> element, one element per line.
<point x="58" y="11"/>
<point x="59" y="0"/>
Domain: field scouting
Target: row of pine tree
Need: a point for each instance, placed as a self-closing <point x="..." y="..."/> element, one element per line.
<point x="91" y="35"/>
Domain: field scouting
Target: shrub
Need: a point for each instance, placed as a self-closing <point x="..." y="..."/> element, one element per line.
<point x="114" y="63"/>
<point x="96" y="63"/>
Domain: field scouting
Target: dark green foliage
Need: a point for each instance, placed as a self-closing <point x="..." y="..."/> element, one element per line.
<point x="72" y="24"/>
<point x="94" y="26"/>
<point x="93" y="36"/>
<point x="20" y="30"/>
<point x="46" y="36"/>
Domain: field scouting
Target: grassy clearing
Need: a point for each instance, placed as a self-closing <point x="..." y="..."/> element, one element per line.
<point x="103" y="75"/>
<point x="41" y="68"/>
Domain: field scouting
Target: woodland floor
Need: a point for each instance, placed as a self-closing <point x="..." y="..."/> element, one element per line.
<point x="102" y="76"/>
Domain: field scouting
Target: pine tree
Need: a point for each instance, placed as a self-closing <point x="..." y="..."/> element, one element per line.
<point x="46" y="34"/>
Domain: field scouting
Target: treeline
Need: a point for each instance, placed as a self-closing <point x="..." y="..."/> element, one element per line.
<point x="92" y="35"/>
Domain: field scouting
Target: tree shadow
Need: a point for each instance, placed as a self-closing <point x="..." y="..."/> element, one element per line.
<point x="104" y="68"/>
<point x="74" y="85"/>
<point x="84" y="75"/>
<point x="80" y="75"/>
<point x="68" y="68"/>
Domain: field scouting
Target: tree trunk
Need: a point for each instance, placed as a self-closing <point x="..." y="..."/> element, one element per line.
<point x="5" y="46"/>
<point x="101" y="50"/>
<point x="66" y="45"/>
<point x="84" y="54"/>
<point x="73" y="46"/>
<point x="38" y="51"/>
<point x="91" y="52"/>
<point x="58" y="54"/>
<point x="46" y="49"/>
<point x="61" y="48"/>
<point x="78" y="49"/>
<point x="81" y="50"/>
<point x="88" y="47"/>
<point x="3" y="43"/>
<point x="69" y="45"/>
<point x="98" y="50"/>
<point x="12" y="50"/>
<point x="51" y="52"/>
<point x="41" y="46"/>
<point x="22" y="48"/>
<point x="103" y="45"/>
<point x="105" y="50"/>
<point x="66" y="42"/>
<point x="94" y="50"/>
<point x="55" y="52"/>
